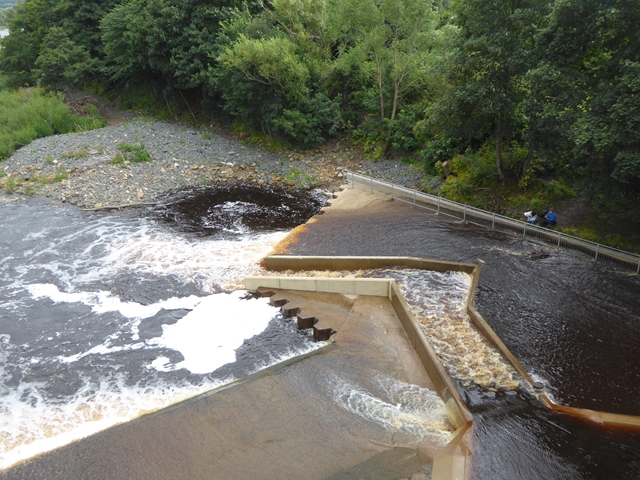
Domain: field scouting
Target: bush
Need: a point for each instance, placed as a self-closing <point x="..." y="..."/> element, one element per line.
<point x="318" y="118"/>
<point x="131" y="153"/>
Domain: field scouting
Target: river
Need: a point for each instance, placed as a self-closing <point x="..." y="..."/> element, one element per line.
<point x="95" y="309"/>
<point x="105" y="317"/>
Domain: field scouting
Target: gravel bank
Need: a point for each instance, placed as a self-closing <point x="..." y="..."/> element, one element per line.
<point x="76" y="168"/>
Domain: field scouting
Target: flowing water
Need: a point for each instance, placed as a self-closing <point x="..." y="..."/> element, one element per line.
<point x="572" y="323"/>
<point x="95" y="310"/>
<point x="104" y="317"/>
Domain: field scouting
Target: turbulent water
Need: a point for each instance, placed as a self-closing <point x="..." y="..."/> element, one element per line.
<point x="104" y="317"/>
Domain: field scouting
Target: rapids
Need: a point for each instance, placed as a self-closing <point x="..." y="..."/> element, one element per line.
<point x="105" y="317"/>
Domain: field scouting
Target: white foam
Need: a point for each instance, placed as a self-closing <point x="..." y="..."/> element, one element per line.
<point x="208" y="262"/>
<point x="208" y="336"/>
<point x="112" y="247"/>
<point x="398" y="406"/>
<point x="103" y="302"/>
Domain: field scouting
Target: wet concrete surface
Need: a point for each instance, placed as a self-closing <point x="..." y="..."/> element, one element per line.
<point x="328" y="414"/>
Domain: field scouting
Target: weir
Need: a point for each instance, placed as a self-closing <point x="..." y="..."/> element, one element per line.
<point x="258" y="410"/>
<point x="453" y="460"/>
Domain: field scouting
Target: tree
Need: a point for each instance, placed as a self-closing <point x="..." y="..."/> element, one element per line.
<point x="61" y="61"/>
<point x="488" y="71"/>
<point x="29" y="22"/>
<point x="393" y="41"/>
<point x="591" y="66"/>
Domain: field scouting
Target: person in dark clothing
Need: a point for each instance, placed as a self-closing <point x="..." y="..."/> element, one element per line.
<point x="549" y="219"/>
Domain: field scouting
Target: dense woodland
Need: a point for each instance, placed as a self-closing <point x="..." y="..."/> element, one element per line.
<point x="519" y="95"/>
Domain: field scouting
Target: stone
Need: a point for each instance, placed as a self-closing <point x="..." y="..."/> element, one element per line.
<point x="538" y="385"/>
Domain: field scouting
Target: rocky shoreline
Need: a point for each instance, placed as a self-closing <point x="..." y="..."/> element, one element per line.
<point x="78" y="168"/>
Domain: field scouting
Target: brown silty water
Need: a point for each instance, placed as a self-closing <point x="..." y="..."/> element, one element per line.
<point x="346" y="407"/>
<point x="573" y="324"/>
<point x="438" y="303"/>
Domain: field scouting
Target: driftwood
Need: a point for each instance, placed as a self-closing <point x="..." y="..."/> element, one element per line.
<point x="118" y="207"/>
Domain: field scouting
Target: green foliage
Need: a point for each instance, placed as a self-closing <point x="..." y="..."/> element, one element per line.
<point x="516" y="91"/>
<point x="317" y="119"/>
<point x="440" y="148"/>
<point x="77" y="153"/>
<point x="31" y="114"/>
<point x="488" y="71"/>
<point x="396" y="44"/>
<point x="61" y="61"/>
<point x="167" y="39"/>
<point x="302" y="180"/>
<point x="10" y="185"/>
<point x="130" y="153"/>
<point x="260" y="78"/>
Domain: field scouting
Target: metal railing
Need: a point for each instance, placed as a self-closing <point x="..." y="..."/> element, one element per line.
<point x="476" y="216"/>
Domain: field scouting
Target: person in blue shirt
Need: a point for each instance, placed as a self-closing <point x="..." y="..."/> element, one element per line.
<point x="549" y="219"/>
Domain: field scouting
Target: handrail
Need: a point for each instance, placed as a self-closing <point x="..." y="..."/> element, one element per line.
<point x="494" y="221"/>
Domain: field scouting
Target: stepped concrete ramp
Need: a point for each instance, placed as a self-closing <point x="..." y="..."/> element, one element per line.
<point x="360" y="407"/>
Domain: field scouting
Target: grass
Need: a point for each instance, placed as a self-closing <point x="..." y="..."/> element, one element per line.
<point x="10" y="185"/>
<point x="78" y="153"/>
<point x="31" y="114"/>
<point x="131" y="153"/>
<point x="30" y="187"/>
<point x="303" y="180"/>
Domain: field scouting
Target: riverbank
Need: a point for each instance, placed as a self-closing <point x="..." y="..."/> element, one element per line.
<point x="79" y="168"/>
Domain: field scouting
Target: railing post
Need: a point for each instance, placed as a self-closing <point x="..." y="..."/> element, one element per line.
<point x="524" y="232"/>
<point x="438" y="205"/>
<point x="371" y="184"/>
<point x="559" y="237"/>
<point x="493" y="222"/>
<point x="638" y="269"/>
<point x="464" y="214"/>
<point x="597" y="249"/>
<point x="414" y="197"/>
<point x="392" y="191"/>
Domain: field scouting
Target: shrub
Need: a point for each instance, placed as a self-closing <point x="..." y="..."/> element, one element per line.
<point x="317" y="118"/>
<point x="131" y="153"/>
<point x="31" y="114"/>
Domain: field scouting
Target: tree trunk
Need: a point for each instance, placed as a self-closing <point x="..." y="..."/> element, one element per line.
<point x="499" y="153"/>
<point x="527" y="160"/>
<point x="394" y="110"/>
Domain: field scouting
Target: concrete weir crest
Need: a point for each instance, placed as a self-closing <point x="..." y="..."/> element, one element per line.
<point x="453" y="461"/>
